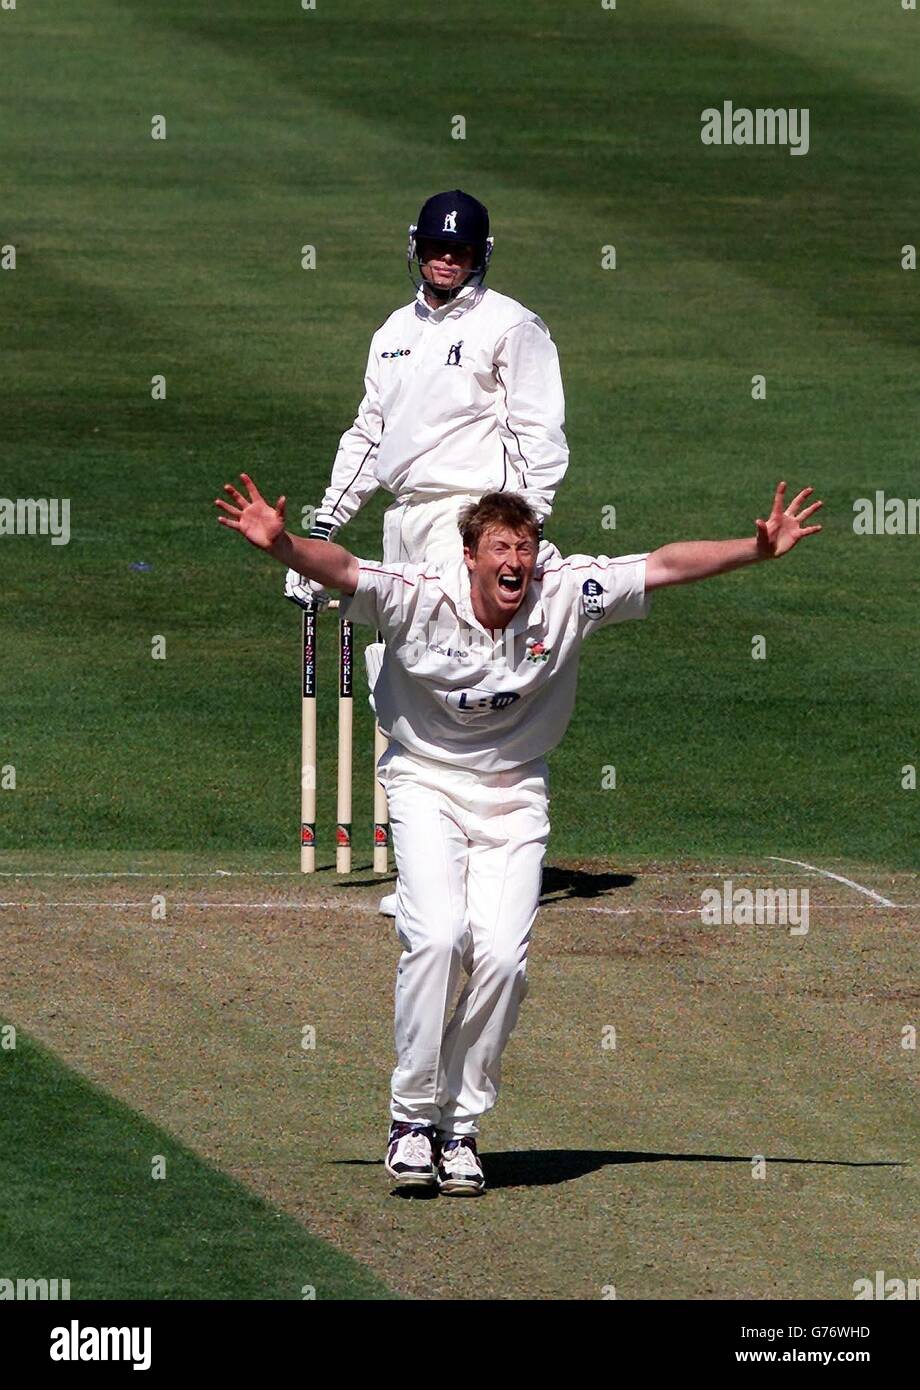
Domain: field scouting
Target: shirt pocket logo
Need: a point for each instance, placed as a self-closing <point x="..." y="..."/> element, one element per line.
<point x="592" y="599"/>
<point x="470" y="705"/>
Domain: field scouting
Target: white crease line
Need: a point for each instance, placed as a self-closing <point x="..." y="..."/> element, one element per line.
<point x="869" y="892"/>
<point x="695" y="911"/>
<point x="162" y="873"/>
<point x="706" y="873"/>
<point x="317" y="904"/>
<point x="145" y="903"/>
<point x="295" y="874"/>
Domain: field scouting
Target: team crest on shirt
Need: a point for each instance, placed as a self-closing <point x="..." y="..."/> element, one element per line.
<point x="537" y="651"/>
<point x="592" y="599"/>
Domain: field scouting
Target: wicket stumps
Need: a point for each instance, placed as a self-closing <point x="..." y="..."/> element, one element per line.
<point x="308" y="744"/>
<point x="346" y="711"/>
<point x="381" y="814"/>
<point x="308" y="758"/>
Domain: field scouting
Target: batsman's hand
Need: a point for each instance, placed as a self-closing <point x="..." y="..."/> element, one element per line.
<point x="306" y="593"/>
<point x="783" y="527"/>
<point x="253" y="518"/>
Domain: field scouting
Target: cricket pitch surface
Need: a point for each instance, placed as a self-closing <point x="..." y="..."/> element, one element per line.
<point x="247" y="1010"/>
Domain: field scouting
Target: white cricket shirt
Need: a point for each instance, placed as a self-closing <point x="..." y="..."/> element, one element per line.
<point x="451" y="691"/>
<point x="465" y="398"/>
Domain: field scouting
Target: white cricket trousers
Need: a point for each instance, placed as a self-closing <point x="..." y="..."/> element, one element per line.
<point x="469" y="852"/>
<point x="415" y="529"/>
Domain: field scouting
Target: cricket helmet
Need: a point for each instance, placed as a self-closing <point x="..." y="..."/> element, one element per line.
<point x="453" y="216"/>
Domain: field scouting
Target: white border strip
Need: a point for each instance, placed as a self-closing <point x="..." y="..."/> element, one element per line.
<point x="869" y="892"/>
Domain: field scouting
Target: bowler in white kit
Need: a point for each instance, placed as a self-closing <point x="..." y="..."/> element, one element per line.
<point x="477" y="685"/>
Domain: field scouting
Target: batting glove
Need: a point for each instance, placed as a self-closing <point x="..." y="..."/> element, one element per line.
<point x="309" y="593"/>
<point x="306" y="593"/>
<point x="546" y="552"/>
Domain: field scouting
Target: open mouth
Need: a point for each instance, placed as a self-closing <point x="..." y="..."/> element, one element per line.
<point x="510" y="583"/>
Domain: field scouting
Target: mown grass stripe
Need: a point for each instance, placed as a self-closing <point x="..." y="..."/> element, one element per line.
<point x="79" y="1203"/>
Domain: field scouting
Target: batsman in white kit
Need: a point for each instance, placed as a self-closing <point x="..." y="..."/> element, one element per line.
<point x="477" y="686"/>
<point x="462" y="396"/>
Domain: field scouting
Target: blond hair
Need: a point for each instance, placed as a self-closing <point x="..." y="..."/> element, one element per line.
<point x="496" y="509"/>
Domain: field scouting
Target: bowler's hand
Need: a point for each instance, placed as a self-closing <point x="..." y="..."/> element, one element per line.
<point x="783" y="528"/>
<point x="255" y="519"/>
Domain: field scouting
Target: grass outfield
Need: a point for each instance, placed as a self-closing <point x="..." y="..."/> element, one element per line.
<point x="181" y="257"/>
<point x="80" y="1202"/>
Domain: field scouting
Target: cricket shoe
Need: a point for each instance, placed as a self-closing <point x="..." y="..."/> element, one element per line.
<point x="387" y="906"/>
<point x="459" y="1170"/>
<point x="410" y="1159"/>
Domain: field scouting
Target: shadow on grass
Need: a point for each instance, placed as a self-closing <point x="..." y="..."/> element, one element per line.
<point x="546" y="1167"/>
<point x="558" y="884"/>
<point x="579" y="883"/>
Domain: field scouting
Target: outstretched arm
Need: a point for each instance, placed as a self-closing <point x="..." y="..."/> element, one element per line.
<point x="686" y="561"/>
<point x="263" y="526"/>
